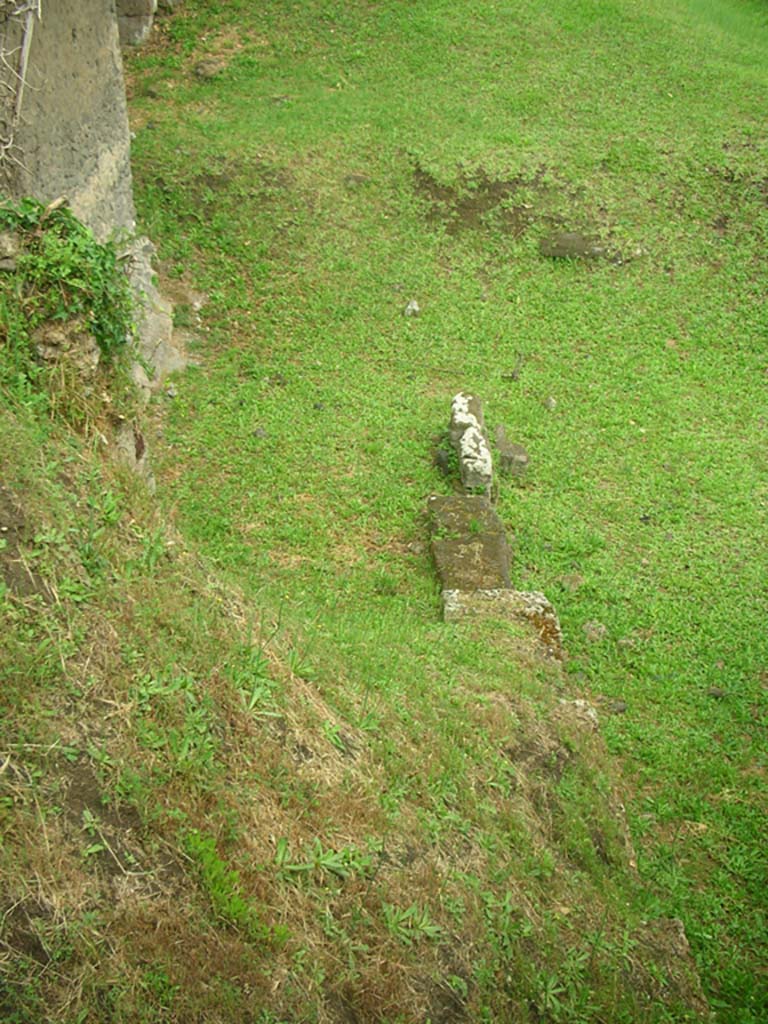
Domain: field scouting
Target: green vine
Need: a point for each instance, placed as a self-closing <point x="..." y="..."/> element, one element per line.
<point x="62" y="273"/>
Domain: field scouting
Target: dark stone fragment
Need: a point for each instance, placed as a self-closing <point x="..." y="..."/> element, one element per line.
<point x="469" y="544"/>
<point x="513" y="458"/>
<point x="571" y="245"/>
<point x="617" y="707"/>
<point x="441" y="460"/>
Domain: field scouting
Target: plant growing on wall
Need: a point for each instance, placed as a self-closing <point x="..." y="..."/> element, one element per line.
<point x="62" y="273"/>
<point x="66" y="313"/>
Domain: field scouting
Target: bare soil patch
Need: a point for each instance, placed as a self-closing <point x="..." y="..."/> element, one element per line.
<point x="478" y="200"/>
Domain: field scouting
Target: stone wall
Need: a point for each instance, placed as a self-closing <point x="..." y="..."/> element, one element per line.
<point x="134" y="20"/>
<point x="73" y="137"/>
<point x="72" y="140"/>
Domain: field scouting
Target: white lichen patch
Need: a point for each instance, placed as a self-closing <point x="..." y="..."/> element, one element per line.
<point x="475" y="462"/>
<point x="467" y="432"/>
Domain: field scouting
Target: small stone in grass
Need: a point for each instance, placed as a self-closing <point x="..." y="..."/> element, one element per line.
<point x="441" y="460"/>
<point x="617" y="707"/>
<point x="595" y="631"/>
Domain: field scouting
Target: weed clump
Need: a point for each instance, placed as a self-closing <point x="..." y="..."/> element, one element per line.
<point x="66" y="308"/>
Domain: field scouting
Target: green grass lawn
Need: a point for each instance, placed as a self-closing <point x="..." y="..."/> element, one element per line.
<point x="348" y="157"/>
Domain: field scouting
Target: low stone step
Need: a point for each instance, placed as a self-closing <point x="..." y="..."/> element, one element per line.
<point x="527" y="606"/>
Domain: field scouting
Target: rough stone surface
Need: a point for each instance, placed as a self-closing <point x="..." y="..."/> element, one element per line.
<point x="467" y="432"/>
<point x="131" y="450"/>
<point x="134" y="19"/>
<point x="156" y="345"/>
<point x="513" y="458"/>
<point x="135" y="8"/>
<point x="466" y="411"/>
<point x="530" y="607"/>
<point x="134" y="31"/>
<point x="70" y="342"/>
<point x="140" y="378"/>
<point x="475" y="463"/>
<point x="9" y="250"/>
<point x="571" y="245"/>
<point x="468" y="543"/>
<point x="73" y="139"/>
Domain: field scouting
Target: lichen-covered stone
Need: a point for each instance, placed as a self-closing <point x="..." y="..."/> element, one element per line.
<point x="466" y="411"/>
<point x="531" y="607"/>
<point x="467" y="433"/>
<point x="475" y="463"/>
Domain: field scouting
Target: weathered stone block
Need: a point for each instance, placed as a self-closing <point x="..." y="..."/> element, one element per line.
<point x="155" y="340"/>
<point x="513" y="458"/>
<point x="466" y="412"/>
<point x="136" y="8"/>
<point x="73" y="137"/>
<point x="530" y="607"/>
<point x="134" y="30"/>
<point x="467" y="433"/>
<point x="468" y="543"/>
<point x="134" y="19"/>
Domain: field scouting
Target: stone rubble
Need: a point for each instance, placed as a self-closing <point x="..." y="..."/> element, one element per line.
<point x="469" y="543"/>
<point x="69" y="342"/>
